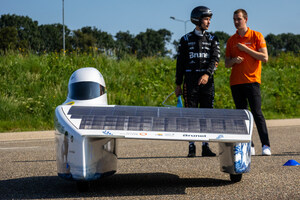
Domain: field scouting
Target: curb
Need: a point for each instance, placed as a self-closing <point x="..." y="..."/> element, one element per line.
<point x="30" y="135"/>
<point x="283" y="122"/>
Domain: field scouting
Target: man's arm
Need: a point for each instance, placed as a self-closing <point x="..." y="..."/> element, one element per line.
<point x="261" y="54"/>
<point x="214" y="56"/>
<point x="214" y="61"/>
<point x="180" y="67"/>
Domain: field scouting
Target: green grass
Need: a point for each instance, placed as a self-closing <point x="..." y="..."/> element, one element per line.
<point x="32" y="86"/>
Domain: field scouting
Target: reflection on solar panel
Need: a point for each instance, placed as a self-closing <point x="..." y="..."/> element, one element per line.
<point x="170" y="119"/>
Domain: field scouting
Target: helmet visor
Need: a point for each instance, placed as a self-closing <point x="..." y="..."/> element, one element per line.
<point x="86" y="90"/>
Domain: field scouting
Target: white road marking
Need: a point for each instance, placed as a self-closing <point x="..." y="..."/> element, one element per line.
<point x="14" y="148"/>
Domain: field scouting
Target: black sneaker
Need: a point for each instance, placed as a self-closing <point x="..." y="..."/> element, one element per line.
<point x="192" y="150"/>
<point x="206" y="152"/>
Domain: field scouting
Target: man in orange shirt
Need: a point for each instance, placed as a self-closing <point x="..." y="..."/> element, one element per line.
<point x="244" y="52"/>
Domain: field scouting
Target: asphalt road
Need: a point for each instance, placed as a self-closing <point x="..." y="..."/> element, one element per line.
<point x="152" y="170"/>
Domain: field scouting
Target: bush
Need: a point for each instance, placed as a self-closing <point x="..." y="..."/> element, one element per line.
<point x="33" y="86"/>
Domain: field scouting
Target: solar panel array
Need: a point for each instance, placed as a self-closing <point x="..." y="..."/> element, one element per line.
<point x="169" y="119"/>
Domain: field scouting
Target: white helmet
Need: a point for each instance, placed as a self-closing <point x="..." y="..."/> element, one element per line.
<point x="87" y="85"/>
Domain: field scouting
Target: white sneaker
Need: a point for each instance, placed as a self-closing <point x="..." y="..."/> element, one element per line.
<point x="266" y="150"/>
<point x="252" y="151"/>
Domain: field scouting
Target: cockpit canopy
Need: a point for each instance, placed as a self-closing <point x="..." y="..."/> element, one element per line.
<point x="87" y="84"/>
<point x="86" y="90"/>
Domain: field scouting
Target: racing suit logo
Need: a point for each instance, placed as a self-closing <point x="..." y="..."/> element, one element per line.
<point x="198" y="55"/>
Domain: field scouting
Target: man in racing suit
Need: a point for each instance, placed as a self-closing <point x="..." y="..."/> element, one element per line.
<point x="198" y="57"/>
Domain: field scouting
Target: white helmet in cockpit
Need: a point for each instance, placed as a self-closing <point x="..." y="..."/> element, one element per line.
<point x="86" y="85"/>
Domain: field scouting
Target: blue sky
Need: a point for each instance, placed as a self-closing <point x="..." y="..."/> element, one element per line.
<point x="135" y="16"/>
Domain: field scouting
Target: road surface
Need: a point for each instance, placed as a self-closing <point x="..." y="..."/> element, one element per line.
<point x="153" y="170"/>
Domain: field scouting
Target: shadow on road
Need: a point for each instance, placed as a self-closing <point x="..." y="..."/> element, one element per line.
<point x="287" y="154"/>
<point x="284" y="154"/>
<point x="116" y="185"/>
<point x="154" y="157"/>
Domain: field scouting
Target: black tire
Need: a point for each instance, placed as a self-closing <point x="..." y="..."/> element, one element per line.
<point x="82" y="186"/>
<point x="236" y="177"/>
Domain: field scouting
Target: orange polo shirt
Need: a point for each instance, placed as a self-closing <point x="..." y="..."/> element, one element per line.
<point x="248" y="71"/>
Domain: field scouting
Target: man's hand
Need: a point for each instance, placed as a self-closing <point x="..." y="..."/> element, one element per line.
<point x="238" y="59"/>
<point x="178" y="90"/>
<point x="203" y="79"/>
<point x="229" y="62"/>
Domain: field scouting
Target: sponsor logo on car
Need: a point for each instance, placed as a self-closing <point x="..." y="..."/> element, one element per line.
<point x="169" y="134"/>
<point x="220" y="136"/>
<point x="106" y="132"/>
<point x="131" y="133"/>
<point x="143" y="134"/>
<point x="193" y="135"/>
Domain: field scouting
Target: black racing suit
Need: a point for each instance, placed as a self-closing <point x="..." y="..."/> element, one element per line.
<point x="198" y="54"/>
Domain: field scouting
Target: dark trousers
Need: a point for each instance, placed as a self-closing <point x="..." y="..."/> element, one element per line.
<point x="199" y="96"/>
<point x="250" y="92"/>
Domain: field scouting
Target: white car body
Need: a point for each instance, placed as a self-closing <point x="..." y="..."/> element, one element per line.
<point x="87" y="130"/>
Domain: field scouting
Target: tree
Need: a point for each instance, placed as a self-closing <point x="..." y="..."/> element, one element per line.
<point x="104" y="41"/>
<point x="125" y="44"/>
<point x="8" y="38"/>
<point x="152" y="43"/>
<point x="222" y="36"/>
<point x="149" y="43"/>
<point x="83" y="41"/>
<point x="274" y="44"/>
<point x="292" y="42"/>
<point x="51" y="37"/>
<point x="28" y="34"/>
<point x="285" y="42"/>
